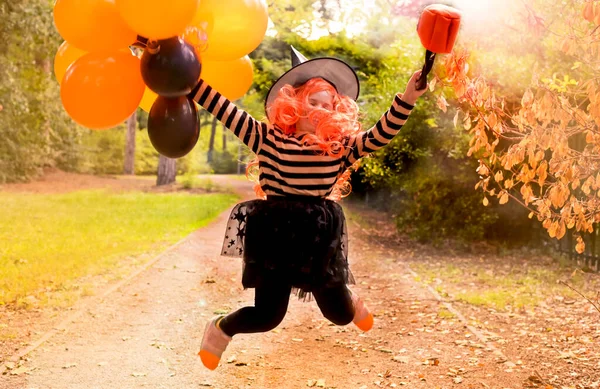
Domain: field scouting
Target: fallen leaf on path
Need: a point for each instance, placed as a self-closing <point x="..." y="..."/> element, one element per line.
<point x="221" y="311"/>
<point x="297" y="340"/>
<point x="20" y="370"/>
<point x="401" y="359"/>
<point x="158" y="345"/>
<point x="69" y="365"/>
<point x="231" y="359"/>
<point x="135" y="374"/>
<point x="457" y="380"/>
<point x="431" y="361"/>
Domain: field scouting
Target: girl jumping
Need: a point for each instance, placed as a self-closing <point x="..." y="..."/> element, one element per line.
<point x="295" y="237"/>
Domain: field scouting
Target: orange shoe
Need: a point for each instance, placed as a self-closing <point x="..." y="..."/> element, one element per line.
<point x="363" y="319"/>
<point x="214" y="342"/>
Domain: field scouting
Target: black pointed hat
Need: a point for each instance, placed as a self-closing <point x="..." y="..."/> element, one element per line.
<point x="333" y="70"/>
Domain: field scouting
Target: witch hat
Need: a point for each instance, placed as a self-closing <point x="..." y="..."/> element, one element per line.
<point x="333" y="70"/>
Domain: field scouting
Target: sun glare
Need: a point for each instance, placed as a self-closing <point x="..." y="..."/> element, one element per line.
<point x="482" y="11"/>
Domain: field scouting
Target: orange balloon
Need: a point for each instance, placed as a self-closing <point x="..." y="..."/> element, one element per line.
<point x="234" y="27"/>
<point x="157" y="19"/>
<point x="148" y="99"/>
<point x="101" y="90"/>
<point x="92" y="25"/>
<point x="65" y="56"/>
<point x="232" y="79"/>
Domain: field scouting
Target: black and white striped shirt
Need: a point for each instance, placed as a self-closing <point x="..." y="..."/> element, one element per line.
<point x="286" y="165"/>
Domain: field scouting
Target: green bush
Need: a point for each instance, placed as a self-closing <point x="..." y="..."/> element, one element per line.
<point x="436" y="206"/>
<point x="224" y="162"/>
<point x="190" y="181"/>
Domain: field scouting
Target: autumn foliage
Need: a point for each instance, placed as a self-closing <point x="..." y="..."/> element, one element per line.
<point x="543" y="152"/>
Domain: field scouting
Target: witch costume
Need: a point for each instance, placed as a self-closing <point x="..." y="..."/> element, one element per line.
<point x="296" y="234"/>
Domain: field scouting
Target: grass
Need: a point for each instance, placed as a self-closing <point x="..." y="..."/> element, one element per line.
<point x="445" y="314"/>
<point x="193" y="181"/>
<point x="51" y="241"/>
<point x="498" y="287"/>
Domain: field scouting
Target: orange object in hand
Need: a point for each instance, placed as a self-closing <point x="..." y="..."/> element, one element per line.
<point x="438" y="28"/>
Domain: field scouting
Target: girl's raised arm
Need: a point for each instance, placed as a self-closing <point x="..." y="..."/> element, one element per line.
<point x="245" y="127"/>
<point x="388" y="126"/>
<point x="381" y="133"/>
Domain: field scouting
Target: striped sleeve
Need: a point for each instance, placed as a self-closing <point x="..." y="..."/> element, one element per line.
<point x="381" y="134"/>
<point x="245" y="127"/>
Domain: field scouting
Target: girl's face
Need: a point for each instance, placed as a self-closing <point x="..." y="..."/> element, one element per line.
<point x="321" y="100"/>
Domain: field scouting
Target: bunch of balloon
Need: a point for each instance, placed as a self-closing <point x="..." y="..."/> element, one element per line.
<point x="102" y="82"/>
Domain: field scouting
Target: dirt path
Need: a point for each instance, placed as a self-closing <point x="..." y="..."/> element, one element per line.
<point x="146" y="334"/>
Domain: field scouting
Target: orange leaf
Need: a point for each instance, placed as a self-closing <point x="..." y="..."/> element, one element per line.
<point x="527" y="99"/>
<point x="442" y="103"/>
<point x="561" y="230"/>
<point x="588" y="11"/>
<point x="580" y="247"/>
<point x="492" y="120"/>
<point x="432" y="84"/>
<point x="498" y="176"/>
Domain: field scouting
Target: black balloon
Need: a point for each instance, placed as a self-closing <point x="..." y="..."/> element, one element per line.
<point x="173" y="126"/>
<point x="170" y="67"/>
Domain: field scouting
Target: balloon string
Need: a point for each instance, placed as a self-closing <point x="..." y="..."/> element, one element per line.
<point x="152" y="47"/>
<point x="140" y="42"/>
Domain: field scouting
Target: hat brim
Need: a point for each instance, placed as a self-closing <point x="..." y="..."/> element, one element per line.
<point x="337" y="72"/>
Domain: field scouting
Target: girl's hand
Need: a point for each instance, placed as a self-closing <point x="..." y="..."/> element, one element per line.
<point x="412" y="94"/>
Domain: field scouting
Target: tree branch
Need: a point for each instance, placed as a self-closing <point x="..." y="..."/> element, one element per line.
<point x="581" y="294"/>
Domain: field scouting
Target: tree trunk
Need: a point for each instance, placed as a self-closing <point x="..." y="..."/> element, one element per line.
<point x="167" y="170"/>
<point x="239" y="159"/>
<point x="224" y="129"/>
<point x="129" y="165"/>
<point x="211" y="142"/>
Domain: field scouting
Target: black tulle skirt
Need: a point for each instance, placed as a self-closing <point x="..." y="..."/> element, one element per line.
<point x="299" y="240"/>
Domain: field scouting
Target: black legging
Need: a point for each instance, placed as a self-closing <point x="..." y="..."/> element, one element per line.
<point x="270" y="307"/>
